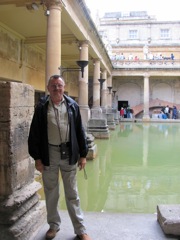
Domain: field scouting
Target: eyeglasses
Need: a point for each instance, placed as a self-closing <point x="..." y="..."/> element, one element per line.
<point x="56" y="86"/>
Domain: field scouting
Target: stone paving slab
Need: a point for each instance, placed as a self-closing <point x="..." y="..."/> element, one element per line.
<point x="115" y="226"/>
<point x="168" y="216"/>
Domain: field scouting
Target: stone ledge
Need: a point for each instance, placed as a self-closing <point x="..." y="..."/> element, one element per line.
<point x="168" y="217"/>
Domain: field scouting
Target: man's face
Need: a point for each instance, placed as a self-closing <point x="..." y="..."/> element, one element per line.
<point x="56" y="87"/>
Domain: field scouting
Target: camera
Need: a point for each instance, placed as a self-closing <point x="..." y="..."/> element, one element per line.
<point x="64" y="151"/>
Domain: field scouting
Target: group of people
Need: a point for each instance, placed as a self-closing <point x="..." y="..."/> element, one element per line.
<point x="125" y="112"/>
<point x="160" y="56"/>
<point x="147" y="56"/>
<point x="166" y="112"/>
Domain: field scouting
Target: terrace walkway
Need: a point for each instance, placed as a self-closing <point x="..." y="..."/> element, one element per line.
<point x="111" y="226"/>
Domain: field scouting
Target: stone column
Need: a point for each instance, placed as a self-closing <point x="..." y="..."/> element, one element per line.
<point x="21" y="212"/>
<point x="96" y="111"/>
<point x="109" y="95"/>
<point x="53" y="42"/>
<point x="83" y="86"/>
<point x="146" y="116"/>
<point x="97" y="125"/>
<point x="104" y="91"/>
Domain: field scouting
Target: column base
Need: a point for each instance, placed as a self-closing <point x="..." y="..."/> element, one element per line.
<point x="96" y="113"/>
<point x="98" y="128"/>
<point x="146" y="118"/>
<point x="22" y="214"/>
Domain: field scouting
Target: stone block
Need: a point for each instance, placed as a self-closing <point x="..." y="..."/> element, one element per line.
<point x="98" y="128"/>
<point x="15" y="176"/>
<point x="96" y="113"/>
<point x="92" y="152"/>
<point x="14" y="94"/>
<point x="96" y="123"/>
<point x="16" y="200"/>
<point x="101" y="135"/>
<point x="168" y="217"/>
<point x="112" y="126"/>
<point x="90" y="137"/>
<point x="27" y="226"/>
<point x="110" y="116"/>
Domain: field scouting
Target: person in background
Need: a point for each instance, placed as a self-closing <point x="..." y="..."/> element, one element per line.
<point x="174" y="112"/>
<point x="121" y="113"/>
<point x="166" y="111"/>
<point x="172" y="56"/>
<point x="57" y="142"/>
<point x="128" y="112"/>
<point x="136" y="58"/>
<point x="125" y="112"/>
<point x="130" y="57"/>
<point x="122" y="57"/>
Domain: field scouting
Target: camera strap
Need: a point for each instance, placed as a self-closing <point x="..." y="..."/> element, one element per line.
<point x="57" y="116"/>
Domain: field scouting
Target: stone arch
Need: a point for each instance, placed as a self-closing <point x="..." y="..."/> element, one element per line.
<point x="162" y="91"/>
<point x="130" y="92"/>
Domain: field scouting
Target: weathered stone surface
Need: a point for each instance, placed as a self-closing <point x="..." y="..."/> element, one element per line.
<point x="98" y="128"/>
<point x="15" y="176"/>
<point x="110" y="117"/>
<point x="96" y="113"/>
<point x="20" y="196"/>
<point x="168" y="217"/>
<point x="110" y="121"/>
<point x="101" y="135"/>
<point x="16" y="108"/>
<point x="26" y="227"/>
<point x="21" y="212"/>
<point x="92" y="152"/>
<point x="90" y="138"/>
<point x="12" y="214"/>
<point x="95" y="123"/>
<point x="92" y="147"/>
<point x="16" y="94"/>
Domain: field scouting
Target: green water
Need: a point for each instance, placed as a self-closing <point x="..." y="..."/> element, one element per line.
<point x="136" y="169"/>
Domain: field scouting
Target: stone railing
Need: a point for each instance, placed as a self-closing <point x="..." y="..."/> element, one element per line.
<point x="146" y="63"/>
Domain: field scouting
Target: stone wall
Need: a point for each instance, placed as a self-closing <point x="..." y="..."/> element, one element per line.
<point x="21" y="62"/>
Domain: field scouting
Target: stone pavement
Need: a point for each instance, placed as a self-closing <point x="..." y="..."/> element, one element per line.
<point x="115" y="226"/>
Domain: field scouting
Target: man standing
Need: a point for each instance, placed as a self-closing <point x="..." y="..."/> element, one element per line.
<point x="57" y="142"/>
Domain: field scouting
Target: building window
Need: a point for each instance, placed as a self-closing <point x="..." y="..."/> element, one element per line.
<point x="165" y="33"/>
<point x="133" y="34"/>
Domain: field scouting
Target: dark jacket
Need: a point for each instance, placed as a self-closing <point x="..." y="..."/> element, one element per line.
<point x="38" y="136"/>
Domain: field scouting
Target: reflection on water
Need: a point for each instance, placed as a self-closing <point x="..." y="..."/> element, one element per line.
<point x="136" y="169"/>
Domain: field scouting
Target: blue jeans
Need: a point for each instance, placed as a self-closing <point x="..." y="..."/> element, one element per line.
<point x="50" y="178"/>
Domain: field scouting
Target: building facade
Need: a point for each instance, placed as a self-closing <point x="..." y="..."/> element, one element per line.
<point x="140" y="45"/>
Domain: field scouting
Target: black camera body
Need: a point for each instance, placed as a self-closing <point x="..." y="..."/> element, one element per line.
<point x="64" y="149"/>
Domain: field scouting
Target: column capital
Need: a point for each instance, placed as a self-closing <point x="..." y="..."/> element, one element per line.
<point x="51" y="3"/>
<point x="146" y="75"/>
<point x="95" y="60"/>
<point x="84" y="42"/>
<point x="104" y="71"/>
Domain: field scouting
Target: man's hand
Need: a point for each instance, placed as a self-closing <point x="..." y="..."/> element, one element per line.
<point x="81" y="163"/>
<point x="39" y="166"/>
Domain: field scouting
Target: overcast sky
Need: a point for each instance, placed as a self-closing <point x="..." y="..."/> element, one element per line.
<point x="163" y="10"/>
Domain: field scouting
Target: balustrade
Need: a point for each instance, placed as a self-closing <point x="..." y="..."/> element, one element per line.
<point x="164" y="63"/>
